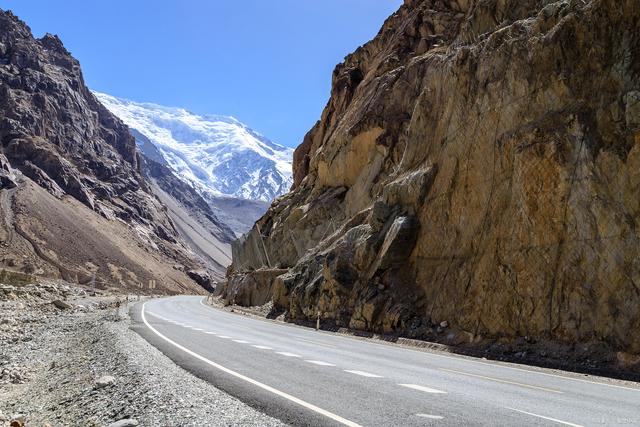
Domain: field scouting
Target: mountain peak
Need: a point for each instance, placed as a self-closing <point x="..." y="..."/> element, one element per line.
<point x="217" y="155"/>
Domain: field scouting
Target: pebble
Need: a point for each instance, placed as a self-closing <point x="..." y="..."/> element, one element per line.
<point x="104" y="381"/>
<point x="17" y="421"/>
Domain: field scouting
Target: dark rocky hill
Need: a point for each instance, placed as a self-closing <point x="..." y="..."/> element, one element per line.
<point x="74" y="203"/>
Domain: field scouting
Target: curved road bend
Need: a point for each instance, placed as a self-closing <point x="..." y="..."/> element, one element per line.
<point x="306" y="377"/>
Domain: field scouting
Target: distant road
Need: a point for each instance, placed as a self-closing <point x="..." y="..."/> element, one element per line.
<point x="305" y="377"/>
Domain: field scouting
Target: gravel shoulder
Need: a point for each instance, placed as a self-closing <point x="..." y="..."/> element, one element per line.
<point x="83" y="365"/>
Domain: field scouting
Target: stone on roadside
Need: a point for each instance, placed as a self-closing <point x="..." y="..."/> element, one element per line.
<point x="124" y="423"/>
<point x="62" y="305"/>
<point x="17" y="421"/>
<point x="104" y="381"/>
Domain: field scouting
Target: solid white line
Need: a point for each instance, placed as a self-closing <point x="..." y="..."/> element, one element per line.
<point x="498" y="380"/>
<point x="319" y="362"/>
<point x="250" y="380"/>
<point x="262" y="347"/>
<point x="546" y="418"/>
<point x="431" y="417"/>
<point x="284" y="353"/>
<point x="363" y="374"/>
<point x="241" y="341"/>
<point x="423" y="388"/>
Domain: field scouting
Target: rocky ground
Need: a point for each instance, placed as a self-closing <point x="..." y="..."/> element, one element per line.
<point x="68" y="357"/>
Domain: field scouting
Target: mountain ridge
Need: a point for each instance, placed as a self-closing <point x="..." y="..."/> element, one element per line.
<point x="218" y="155"/>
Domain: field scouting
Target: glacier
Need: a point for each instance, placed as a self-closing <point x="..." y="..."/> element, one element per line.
<point x="217" y="155"/>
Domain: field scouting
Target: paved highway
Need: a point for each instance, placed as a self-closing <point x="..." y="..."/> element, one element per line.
<point x="306" y="377"/>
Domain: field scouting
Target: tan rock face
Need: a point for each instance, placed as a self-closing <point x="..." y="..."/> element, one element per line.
<point x="504" y="136"/>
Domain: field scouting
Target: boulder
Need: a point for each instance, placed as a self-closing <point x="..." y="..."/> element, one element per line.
<point x="202" y="278"/>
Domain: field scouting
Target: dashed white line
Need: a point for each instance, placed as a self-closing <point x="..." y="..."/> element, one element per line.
<point x="224" y="336"/>
<point x="287" y="354"/>
<point x="319" y="362"/>
<point x="262" y="347"/>
<point x="546" y="418"/>
<point x="250" y="380"/>
<point x="241" y="341"/>
<point x="429" y="416"/>
<point x="363" y="374"/>
<point x="210" y="333"/>
<point x="423" y="388"/>
<point x="198" y="329"/>
<point x="502" y="365"/>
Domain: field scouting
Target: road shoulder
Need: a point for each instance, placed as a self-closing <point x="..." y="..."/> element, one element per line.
<point x="86" y="366"/>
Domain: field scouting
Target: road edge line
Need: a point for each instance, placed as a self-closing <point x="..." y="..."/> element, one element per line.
<point x="238" y="375"/>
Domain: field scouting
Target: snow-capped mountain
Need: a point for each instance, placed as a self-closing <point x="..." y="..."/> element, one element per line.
<point x="217" y="155"/>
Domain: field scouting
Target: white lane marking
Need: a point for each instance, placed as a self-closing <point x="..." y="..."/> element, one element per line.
<point x="262" y="347"/>
<point x="319" y="362"/>
<point x="250" y="380"/>
<point x="498" y="380"/>
<point x="210" y="333"/>
<point x="241" y="341"/>
<point x="463" y="359"/>
<point x="224" y="336"/>
<point x="198" y="329"/>
<point x="423" y="388"/>
<point x="363" y="374"/>
<point x="546" y="418"/>
<point x="431" y="417"/>
<point x="284" y="353"/>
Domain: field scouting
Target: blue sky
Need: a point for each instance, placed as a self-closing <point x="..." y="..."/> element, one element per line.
<point x="266" y="62"/>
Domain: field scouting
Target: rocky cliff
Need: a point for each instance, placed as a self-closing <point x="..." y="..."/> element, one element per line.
<point x="74" y="204"/>
<point x="473" y="179"/>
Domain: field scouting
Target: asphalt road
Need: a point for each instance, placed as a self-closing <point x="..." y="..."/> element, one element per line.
<point x="306" y="377"/>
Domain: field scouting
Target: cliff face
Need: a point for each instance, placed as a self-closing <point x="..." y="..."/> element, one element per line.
<point x="73" y="201"/>
<point x="476" y="167"/>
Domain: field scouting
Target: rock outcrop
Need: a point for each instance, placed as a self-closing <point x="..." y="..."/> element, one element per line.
<point x="73" y="202"/>
<point x="477" y="167"/>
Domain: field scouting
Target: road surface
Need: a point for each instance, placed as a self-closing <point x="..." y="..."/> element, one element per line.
<point x="306" y="377"/>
